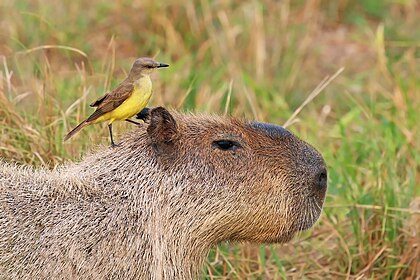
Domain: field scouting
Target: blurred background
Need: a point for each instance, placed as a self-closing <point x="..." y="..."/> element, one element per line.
<point x="252" y="59"/>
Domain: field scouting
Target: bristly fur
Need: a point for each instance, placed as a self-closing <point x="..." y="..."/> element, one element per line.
<point x="154" y="206"/>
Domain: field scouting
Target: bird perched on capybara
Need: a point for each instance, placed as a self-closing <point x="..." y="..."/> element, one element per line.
<point x="154" y="206"/>
<point x="126" y="100"/>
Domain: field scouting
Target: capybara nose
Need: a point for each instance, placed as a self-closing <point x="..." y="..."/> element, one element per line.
<point x="321" y="179"/>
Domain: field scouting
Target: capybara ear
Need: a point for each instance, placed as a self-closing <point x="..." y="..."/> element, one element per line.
<point x="162" y="128"/>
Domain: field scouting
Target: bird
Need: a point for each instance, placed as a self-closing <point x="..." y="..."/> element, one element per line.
<point x="126" y="100"/>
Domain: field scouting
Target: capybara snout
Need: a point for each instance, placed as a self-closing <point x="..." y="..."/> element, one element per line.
<point x="294" y="153"/>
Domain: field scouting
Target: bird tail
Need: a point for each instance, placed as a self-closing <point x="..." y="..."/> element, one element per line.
<point x="75" y="130"/>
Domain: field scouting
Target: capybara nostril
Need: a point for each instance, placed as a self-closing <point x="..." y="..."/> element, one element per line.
<point x="321" y="180"/>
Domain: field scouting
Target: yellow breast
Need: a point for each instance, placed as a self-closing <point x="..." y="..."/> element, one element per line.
<point x="132" y="105"/>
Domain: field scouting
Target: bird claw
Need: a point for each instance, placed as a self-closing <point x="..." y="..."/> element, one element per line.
<point x="113" y="145"/>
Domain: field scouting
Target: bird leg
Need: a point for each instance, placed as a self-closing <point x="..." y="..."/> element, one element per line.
<point x="131" y="121"/>
<point x="113" y="145"/>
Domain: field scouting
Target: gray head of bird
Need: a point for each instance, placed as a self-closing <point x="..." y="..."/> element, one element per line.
<point x="144" y="66"/>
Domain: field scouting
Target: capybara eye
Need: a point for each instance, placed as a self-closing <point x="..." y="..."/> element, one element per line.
<point x="226" y="145"/>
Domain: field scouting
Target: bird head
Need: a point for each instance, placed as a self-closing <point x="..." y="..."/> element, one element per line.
<point x="144" y="66"/>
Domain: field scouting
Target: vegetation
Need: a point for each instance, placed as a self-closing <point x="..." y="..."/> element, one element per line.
<point x="253" y="59"/>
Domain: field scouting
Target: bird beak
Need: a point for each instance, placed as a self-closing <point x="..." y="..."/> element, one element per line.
<point x="160" y="65"/>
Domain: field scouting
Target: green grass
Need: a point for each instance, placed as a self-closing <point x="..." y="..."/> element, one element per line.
<point x="254" y="59"/>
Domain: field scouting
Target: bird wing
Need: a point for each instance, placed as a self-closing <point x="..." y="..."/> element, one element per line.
<point x="98" y="101"/>
<point x="112" y="100"/>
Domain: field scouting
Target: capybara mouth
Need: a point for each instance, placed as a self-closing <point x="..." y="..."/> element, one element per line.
<point x="311" y="213"/>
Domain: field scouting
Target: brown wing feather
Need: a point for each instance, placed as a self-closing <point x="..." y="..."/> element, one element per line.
<point x="112" y="100"/>
<point x="98" y="101"/>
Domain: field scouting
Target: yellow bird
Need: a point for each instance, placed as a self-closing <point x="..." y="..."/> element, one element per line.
<point x="126" y="100"/>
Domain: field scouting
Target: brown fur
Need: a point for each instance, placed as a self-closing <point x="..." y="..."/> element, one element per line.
<point x="154" y="206"/>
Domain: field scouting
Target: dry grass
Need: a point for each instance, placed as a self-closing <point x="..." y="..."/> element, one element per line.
<point x="258" y="59"/>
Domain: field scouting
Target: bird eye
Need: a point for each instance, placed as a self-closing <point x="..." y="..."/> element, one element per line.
<point x="226" y="145"/>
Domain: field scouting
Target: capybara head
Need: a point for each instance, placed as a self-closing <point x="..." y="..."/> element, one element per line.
<point x="254" y="181"/>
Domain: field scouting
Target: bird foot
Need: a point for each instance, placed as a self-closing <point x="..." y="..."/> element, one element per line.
<point x="134" y="122"/>
<point x="113" y="145"/>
